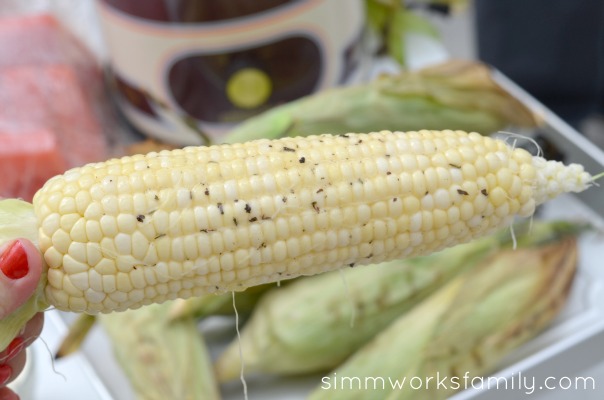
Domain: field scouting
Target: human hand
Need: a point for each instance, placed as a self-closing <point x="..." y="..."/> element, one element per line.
<point x="20" y="269"/>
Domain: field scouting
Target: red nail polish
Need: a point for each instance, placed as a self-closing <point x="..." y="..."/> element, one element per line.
<point x="14" y="348"/>
<point x="5" y="373"/>
<point x="13" y="261"/>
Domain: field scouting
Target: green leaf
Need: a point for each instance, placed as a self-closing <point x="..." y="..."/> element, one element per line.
<point x="392" y="22"/>
<point x="395" y="41"/>
<point x="414" y="23"/>
<point x="377" y="15"/>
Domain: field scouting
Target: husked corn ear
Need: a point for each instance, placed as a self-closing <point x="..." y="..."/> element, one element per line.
<point x="148" y="228"/>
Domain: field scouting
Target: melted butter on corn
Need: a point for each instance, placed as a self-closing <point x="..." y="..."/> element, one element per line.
<point x="148" y="228"/>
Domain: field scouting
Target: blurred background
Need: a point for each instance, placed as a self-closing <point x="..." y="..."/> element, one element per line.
<point x="552" y="49"/>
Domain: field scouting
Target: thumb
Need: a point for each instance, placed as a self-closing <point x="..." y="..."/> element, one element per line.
<point x="20" y="270"/>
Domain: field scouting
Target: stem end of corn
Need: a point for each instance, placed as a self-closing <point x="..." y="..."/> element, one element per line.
<point x="17" y="220"/>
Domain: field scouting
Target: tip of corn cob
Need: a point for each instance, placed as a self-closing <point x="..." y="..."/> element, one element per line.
<point x="554" y="178"/>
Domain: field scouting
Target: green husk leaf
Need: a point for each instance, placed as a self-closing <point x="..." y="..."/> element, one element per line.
<point x="220" y="304"/>
<point x="17" y="220"/>
<point x="163" y="359"/>
<point x="76" y="335"/>
<point x="468" y="325"/>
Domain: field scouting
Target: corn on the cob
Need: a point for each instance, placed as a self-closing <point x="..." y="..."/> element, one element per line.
<point x="453" y="95"/>
<point x="163" y="359"/>
<point x="464" y="328"/>
<point x="181" y="223"/>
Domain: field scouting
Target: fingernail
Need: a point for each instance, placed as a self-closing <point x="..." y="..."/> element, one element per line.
<point x="13" y="261"/>
<point x="14" y="348"/>
<point x="5" y="373"/>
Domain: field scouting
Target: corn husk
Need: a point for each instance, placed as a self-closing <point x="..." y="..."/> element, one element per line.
<point x="76" y="335"/>
<point x="453" y="95"/>
<point x="163" y="359"/>
<point x="220" y="304"/>
<point x="463" y="330"/>
<point x="306" y="326"/>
